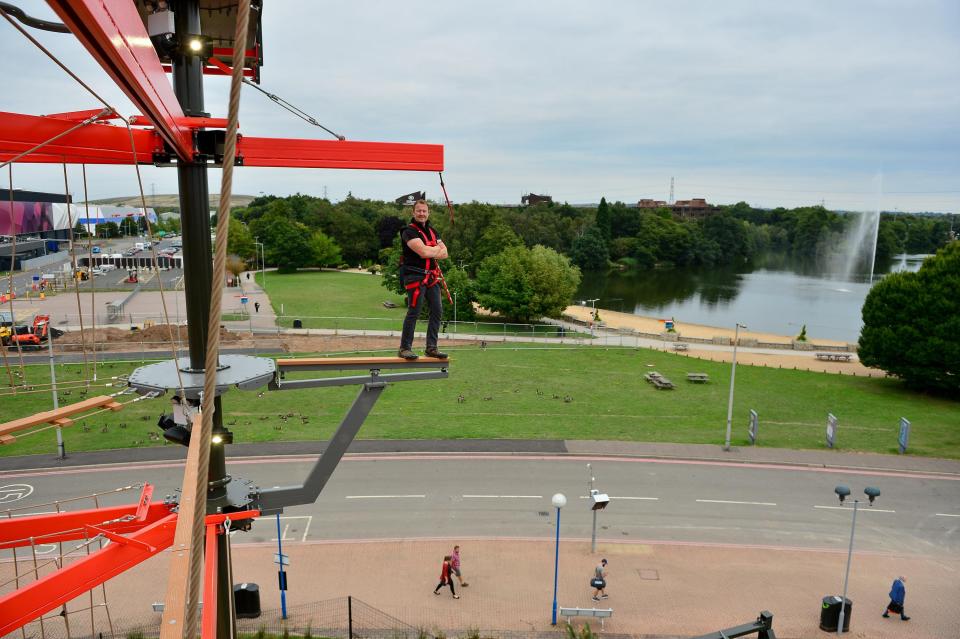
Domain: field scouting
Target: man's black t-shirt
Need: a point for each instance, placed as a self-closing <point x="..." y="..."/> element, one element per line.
<point x="410" y="258"/>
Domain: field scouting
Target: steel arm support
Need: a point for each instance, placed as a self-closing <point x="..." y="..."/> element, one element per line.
<point x="69" y="526"/>
<point x="52" y="591"/>
<point x="274" y="500"/>
<point x="763" y="627"/>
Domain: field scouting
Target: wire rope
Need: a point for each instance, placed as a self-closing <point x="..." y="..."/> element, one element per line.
<point x="303" y="115"/>
<point x="93" y="283"/>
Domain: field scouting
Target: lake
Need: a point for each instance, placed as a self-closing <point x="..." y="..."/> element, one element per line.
<point x="771" y="294"/>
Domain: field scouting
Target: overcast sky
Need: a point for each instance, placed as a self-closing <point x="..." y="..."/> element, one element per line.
<point x="851" y="103"/>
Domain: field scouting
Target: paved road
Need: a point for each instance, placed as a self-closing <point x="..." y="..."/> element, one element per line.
<point x="422" y="495"/>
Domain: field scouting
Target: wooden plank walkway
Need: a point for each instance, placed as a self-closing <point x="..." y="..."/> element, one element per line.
<point x="58" y="417"/>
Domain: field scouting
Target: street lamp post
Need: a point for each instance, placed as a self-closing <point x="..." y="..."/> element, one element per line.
<point x="559" y="501"/>
<point x="262" y="259"/>
<point x="842" y="493"/>
<point x="733" y="375"/>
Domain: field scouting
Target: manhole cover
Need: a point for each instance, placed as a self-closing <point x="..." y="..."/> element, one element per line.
<point x="650" y="574"/>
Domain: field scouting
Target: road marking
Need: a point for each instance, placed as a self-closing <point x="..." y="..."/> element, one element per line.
<point x="621" y="497"/>
<point x="946" y="515"/>
<point x="863" y="510"/>
<point x="14" y="492"/>
<point x="385" y="497"/>
<point x="286" y="527"/>
<point x="503" y="496"/>
<point x="745" y="503"/>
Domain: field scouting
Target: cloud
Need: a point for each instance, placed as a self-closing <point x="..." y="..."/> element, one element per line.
<point x="581" y="100"/>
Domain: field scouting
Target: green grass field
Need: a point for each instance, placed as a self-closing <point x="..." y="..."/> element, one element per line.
<point x="330" y="299"/>
<point x="520" y="392"/>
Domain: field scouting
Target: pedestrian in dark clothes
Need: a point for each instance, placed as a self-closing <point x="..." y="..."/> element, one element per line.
<point x="256" y="306"/>
<point x="445" y="578"/>
<point x="898" y="593"/>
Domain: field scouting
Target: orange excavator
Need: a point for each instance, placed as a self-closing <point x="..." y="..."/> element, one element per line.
<point x="39" y="334"/>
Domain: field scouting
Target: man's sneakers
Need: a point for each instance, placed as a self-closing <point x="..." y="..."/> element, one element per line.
<point x="407" y="354"/>
<point x="904" y="618"/>
<point x="456" y="596"/>
<point x="432" y="351"/>
<point x="596" y="598"/>
<point x="886" y="615"/>
<point x="604" y="596"/>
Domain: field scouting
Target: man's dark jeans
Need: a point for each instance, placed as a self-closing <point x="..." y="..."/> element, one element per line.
<point x="432" y="296"/>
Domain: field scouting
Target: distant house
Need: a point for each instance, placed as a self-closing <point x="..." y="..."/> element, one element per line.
<point x="694" y="209"/>
<point x="650" y="204"/>
<point x="533" y="199"/>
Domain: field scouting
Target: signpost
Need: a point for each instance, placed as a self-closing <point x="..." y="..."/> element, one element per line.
<point x="904" y="434"/>
<point x="283" y="560"/>
<point x="752" y="432"/>
<point x="831" y="430"/>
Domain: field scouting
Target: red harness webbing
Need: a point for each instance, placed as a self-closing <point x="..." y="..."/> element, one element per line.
<point x="431" y="268"/>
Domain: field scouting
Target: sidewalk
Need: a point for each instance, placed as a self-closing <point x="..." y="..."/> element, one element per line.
<point x="260" y="321"/>
<point x="656" y="589"/>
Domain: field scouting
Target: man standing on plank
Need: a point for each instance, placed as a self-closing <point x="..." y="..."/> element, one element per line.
<point x="420" y="274"/>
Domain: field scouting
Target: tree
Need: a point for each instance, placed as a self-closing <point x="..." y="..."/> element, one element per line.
<point x="240" y="241"/>
<point x="286" y="243"/>
<point x="325" y="250"/>
<point x="463" y="291"/>
<point x="911" y="324"/>
<point x="526" y="284"/>
<point x="604" y="219"/>
<point x="235" y="266"/>
<point x="107" y="230"/>
<point x="129" y="226"/>
<point x="590" y="250"/>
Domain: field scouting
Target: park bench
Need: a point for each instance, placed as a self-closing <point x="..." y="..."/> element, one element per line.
<point x="596" y="613"/>
<point x="698" y="378"/>
<point x="834" y="357"/>
<point x="680" y="346"/>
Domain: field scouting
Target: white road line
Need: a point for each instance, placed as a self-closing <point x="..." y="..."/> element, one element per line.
<point x="307" y="528"/>
<point x="745" y="503"/>
<point x="503" y="496"/>
<point x="622" y="497"/>
<point x="946" y="515"/>
<point x="385" y="497"/>
<point x="862" y="510"/>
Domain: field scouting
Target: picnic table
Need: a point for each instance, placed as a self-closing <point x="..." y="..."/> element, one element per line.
<point x="659" y="381"/>
<point x="834" y="357"/>
<point x="679" y="346"/>
<point x="698" y="378"/>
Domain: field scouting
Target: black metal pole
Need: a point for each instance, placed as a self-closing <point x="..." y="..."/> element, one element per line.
<point x="349" y="617"/>
<point x="198" y="273"/>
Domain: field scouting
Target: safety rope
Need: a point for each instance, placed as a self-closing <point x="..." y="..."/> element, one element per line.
<point x="447" y="198"/>
<point x="156" y="263"/>
<point x="195" y="581"/>
<point x="303" y="115"/>
<point x="76" y="283"/>
<point x="93" y="283"/>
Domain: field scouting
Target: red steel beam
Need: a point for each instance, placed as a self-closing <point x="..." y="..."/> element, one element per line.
<point x="92" y="144"/>
<point x="208" y="623"/>
<point x="114" y="34"/>
<point x="339" y="154"/>
<point x="68" y="526"/>
<point x="52" y="591"/>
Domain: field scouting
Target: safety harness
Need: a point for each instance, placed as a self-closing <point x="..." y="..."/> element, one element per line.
<point x="431" y="273"/>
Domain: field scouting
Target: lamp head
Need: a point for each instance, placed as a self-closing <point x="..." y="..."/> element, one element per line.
<point x="559" y="500"/>
<point x="871" y="493"/>
<point x="842" y="492"/>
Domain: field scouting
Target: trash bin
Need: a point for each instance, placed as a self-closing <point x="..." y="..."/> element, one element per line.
<point x="246" y="601"/>
<point x="830" y="614"/>
<point x="297" y="323"/>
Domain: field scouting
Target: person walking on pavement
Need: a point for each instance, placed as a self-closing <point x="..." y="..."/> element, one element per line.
<point x="445" y="578"/>
<point x="421" y="276"/>
<point x="898" y="593"/>
<point x="599" y="581"/>
<point x="455" y="566"/>
<point x="256" y="306"/>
